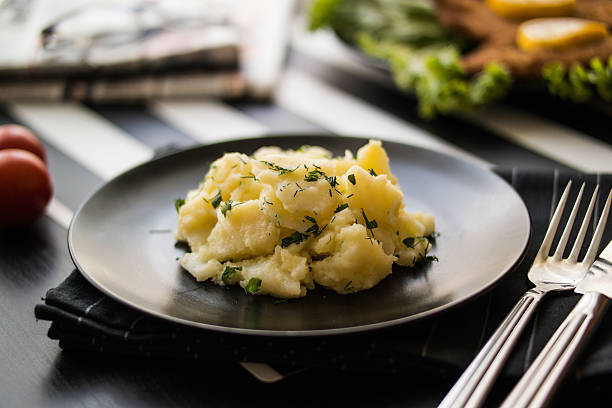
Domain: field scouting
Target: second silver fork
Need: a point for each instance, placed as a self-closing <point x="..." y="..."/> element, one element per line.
<point x="548" y="274"/>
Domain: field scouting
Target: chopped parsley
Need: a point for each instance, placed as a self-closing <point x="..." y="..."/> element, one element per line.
<point x="216" y="200"/>
<point x="229" y="272"/>
<point x="351" y="178"/>
<point x="253" y="285"/>
<point x="341" y="207"/>
<point x="227" y="206"/>
<point x="370" y="224"/>
<point x="313" y="228"/>
<point x="411" y="242"/>
<point x="276" y="167"/>
<point x="372" y="172"/>
<point x="178" y="203"/>
<point x="294" y="238"/>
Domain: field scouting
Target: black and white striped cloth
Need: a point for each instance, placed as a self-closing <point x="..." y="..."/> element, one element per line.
<point x="534" y="141"/>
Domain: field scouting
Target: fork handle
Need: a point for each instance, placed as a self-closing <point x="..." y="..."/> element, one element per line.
<point x="474" y="384"/>
<point x="544" y="375"/>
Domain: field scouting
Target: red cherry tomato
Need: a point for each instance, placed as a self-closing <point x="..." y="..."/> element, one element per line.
<point x="25" y="187"/>
<point x="19" y="137"/>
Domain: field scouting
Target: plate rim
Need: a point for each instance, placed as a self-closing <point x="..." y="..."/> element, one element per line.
<point x="309" y="332"/>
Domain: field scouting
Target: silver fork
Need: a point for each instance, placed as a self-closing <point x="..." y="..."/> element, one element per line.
<point x="548" y="274"/>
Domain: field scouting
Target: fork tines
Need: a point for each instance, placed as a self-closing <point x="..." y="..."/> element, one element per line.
<point x="556" y="218"/>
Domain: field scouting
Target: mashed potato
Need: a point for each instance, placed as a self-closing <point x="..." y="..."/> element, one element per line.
<point x="280" y="221"/>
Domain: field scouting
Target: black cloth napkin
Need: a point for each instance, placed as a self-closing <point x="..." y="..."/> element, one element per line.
<point x="85" y="319"/>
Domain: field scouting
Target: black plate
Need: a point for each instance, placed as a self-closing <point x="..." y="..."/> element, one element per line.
<point x="122" y="240"/>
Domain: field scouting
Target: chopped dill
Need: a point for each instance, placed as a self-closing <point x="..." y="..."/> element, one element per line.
<point x="299" y="190"/>
<point x="321" y="230"/>
<point x="312" y="175"/>
<point x="276" y="167"/>
<point x="250" y="176"/>
<point x="350" y="195"/>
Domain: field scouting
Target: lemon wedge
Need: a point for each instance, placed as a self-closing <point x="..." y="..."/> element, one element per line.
<point x="558" y="33"/>
<point x="532" y="8"/>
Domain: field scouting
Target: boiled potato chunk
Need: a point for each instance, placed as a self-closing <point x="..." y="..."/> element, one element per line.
<point x="241" y="233"/>
<point x="356" y="263"/>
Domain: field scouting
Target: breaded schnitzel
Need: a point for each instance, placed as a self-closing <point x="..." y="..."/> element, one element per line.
<point x="497" y="37"/>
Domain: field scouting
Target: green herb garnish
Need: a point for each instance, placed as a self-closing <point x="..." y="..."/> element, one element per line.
<point x="229" y="273"/>
<point x="370" y="224"/>
<point x="178" y="203"/>
<point x="276" y="167"/>
<point x="216" y="200"/>
<point x="294" y="238"/>
<point x="225" y="207"/>
<point x="340" y="208"/>
<point x="349" y="287"/>
<point x="372" y="172"/>
<point x="253" y="285"/>
<point x="313" y="175"/>
<point x="251" y="176"/>
<point x="299" y="190"/>
<point x="351" y="178"/>
<point x="312" y="228"/>
<point x="411" y="242"/>
<point x="316" y="174"/>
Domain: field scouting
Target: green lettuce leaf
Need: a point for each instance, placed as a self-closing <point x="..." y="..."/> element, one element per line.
<point x="423" y="57"/>
<point x="579" y="84"/>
